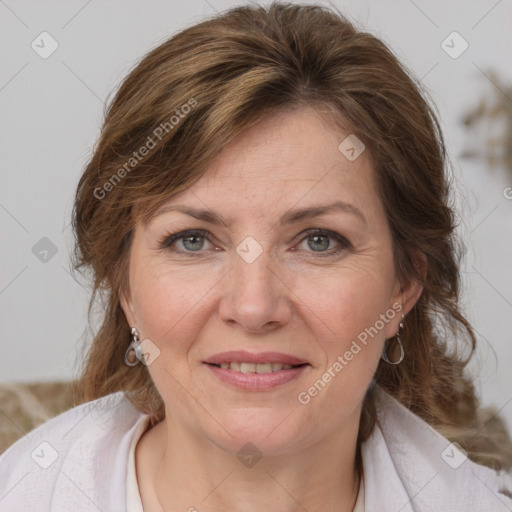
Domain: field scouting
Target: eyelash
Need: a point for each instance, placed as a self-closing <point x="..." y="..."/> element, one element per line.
<point x="169" y="239"/>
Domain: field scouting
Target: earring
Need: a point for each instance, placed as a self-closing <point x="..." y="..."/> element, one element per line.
<point x="133" y="354"/>
<point x="399" y="341"/>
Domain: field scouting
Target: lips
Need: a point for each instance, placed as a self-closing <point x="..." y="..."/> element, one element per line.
<point x="264" y="370"/>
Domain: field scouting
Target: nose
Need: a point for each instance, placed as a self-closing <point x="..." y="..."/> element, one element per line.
<point x="255" y="296"/>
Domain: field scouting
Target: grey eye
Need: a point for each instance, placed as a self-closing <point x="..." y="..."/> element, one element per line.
<point x="318" y="243"/>
<point x="193" y="243"/>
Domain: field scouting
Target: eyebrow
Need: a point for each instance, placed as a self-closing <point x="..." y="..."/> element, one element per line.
<point x="290" y="217"/>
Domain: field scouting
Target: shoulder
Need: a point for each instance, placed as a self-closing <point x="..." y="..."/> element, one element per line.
<point x="412" y="464"/>
<point x="58" y="461"/>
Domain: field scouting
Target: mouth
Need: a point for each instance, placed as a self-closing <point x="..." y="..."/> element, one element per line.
<point x="255" y="372"/>
<point x="259" y="368"/>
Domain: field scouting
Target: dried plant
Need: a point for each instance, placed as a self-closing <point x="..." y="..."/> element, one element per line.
<point x="490" y="126"/>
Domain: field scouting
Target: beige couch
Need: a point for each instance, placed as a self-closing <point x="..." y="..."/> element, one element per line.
<point x="25" y="406"/>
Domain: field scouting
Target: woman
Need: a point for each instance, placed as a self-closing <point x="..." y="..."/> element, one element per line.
<point x="267" y="223"/>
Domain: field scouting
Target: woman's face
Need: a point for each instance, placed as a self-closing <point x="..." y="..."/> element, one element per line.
<point x="289" y="262"/>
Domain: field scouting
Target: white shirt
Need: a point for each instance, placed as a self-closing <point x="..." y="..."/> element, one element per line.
<point x="79" y="461"/>
<point x="359" y="506"/>
<point x="133" y="499"/>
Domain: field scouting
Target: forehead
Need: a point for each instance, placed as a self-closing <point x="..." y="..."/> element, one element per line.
<point x="291" y="156"/>
<point x="288" y="162"/>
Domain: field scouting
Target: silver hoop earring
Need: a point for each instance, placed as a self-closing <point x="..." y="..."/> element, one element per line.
<point x="399" y="341"/>
<point x="133" y="354"/>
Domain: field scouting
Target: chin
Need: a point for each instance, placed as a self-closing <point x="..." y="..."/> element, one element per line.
<point x="272" y="431"/>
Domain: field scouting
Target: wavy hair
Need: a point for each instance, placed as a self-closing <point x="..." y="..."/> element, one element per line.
<point x="232" y="71"/>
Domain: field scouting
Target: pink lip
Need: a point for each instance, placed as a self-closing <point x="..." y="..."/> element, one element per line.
<point x="256" y="381"/>
<point x="242" y="356"/>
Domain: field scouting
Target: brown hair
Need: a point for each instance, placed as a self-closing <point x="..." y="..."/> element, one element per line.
<point x="232" y="71"/>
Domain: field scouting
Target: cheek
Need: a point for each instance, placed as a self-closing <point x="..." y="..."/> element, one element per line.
<point x="349" y="298"/>
<point x="349" y="346"/>
<point x="350" y="310"/>
<point x="166" y="302"/>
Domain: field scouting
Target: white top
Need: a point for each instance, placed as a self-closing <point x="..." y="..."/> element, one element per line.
<point x="133" y="499"/>
<point x="359" y="506"/>
<point x="79" y="461"/>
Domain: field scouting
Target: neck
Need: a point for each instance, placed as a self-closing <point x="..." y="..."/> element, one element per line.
<point x="190" y="474"/>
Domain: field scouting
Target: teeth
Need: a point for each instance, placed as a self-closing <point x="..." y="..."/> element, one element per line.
<point x="247" y="367"/>
<point x="256" y="368"/>
<point x="264" y="368"/>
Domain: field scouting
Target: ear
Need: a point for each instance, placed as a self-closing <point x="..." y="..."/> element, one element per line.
<point x="407" y="293"/>
<point x="126" y="305"/>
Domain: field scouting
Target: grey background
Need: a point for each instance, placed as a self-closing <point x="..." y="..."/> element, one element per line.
<point x="51" y="113"/>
